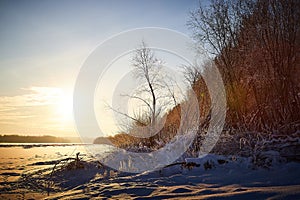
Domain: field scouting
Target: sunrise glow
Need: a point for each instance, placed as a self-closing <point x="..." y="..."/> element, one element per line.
<point x="64" y="107"/>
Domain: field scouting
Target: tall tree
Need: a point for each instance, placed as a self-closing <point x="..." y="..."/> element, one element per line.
<point x="152" y="98"/>
<point x="146" y="68"/>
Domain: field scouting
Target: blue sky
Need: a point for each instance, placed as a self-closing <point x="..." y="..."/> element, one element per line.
<point x="44" y="43"/>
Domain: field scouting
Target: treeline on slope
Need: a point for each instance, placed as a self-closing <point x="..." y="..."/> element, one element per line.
<point x="256" y="47"/>
<point x="31" y="139"/>
<point x="256" y="44"/>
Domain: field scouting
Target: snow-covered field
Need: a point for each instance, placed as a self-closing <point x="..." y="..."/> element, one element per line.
<point x="232" y="178"/>
<point x="212" y="177"/>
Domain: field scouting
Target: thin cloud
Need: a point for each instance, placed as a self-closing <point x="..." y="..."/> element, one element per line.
<point x="36" y="110"/>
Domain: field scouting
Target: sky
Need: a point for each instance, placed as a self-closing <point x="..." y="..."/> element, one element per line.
<point x="43" y="45"/>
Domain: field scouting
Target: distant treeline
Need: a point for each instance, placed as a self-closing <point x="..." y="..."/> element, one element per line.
<point x="31" y="139"/>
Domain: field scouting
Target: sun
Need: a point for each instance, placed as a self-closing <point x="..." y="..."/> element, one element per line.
<point x="64" y="106"/>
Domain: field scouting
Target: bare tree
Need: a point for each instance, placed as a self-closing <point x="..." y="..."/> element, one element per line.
<point x="152" y="99"/>
<point x="146" y="68"/>
<point x="217" y="27"/>
<point x="192" y="73"/>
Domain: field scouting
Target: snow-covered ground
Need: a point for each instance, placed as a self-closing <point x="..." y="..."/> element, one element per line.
<point x="210" y="177"/>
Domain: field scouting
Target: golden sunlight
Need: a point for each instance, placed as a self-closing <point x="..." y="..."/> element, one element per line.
<point x="60" y="99"/>
<point x="64" y="106"/>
